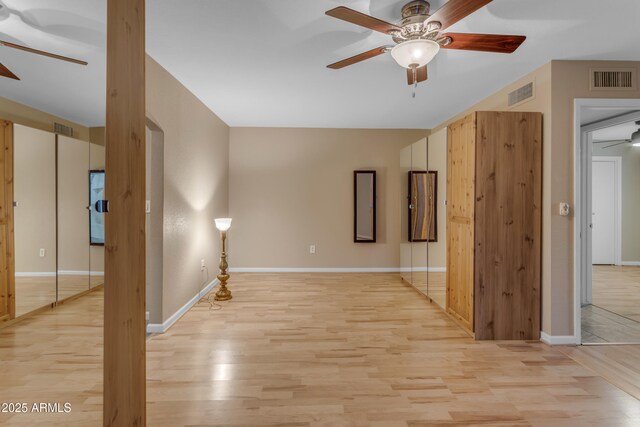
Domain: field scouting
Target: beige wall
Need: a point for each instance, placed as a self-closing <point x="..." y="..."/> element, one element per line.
<point x="630" y="197"/>
<point x="35" y="192"/>
<point x="557" y="84"/>
<point x="196" y="170"/>
<point x="24" y="115"/>
<point x="292" y="188"/>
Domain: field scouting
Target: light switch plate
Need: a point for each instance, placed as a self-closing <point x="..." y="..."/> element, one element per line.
<point x="564" y="209"/>
<point x="148" y="206"/>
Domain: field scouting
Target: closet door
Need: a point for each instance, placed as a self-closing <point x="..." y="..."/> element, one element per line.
<point x="34" y="186"/>
<point x="460" y="220"/>
<point x="508" y="226"/>
<point x="73" y="217"/>
<point x="7" y="291"/>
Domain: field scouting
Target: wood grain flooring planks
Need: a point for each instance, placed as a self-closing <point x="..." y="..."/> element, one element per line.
<point x="310" y="350"/>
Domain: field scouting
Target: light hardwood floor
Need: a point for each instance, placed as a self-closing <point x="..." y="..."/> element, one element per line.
<point x="310" y="350"/>
<point x="614" y="316"/>
<point x="617" y="289"/>
<point x="33" y="293"/>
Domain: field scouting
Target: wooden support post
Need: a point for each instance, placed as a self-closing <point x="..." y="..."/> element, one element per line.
<point x="124" y="299"/>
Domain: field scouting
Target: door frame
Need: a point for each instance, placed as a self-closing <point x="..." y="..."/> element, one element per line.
<point x="582" y="162"/>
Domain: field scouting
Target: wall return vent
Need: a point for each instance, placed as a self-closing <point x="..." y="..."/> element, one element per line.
<point x="613" y="79"/>
<point x="61" y="129"/>
<point x="520" y="95"/>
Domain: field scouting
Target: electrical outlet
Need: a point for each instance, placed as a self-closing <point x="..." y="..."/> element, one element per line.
<point x="201" y="265"/>
<point x="147" y="316"/>
<point x="564" y="209"/>
<point x="42" y="253"/>
<point x="312" y="249"/>
<point x="148" y="206"/>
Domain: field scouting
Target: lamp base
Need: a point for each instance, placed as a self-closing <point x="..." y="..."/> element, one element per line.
<point x="223" y="293"/>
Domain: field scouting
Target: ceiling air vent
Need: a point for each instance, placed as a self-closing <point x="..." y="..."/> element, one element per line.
<point x="613" y="79"/>
<point x="521" y="94"/>
<point x="62" y="129"/>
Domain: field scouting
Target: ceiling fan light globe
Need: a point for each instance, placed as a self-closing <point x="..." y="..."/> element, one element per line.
<point x="415" y="53"/>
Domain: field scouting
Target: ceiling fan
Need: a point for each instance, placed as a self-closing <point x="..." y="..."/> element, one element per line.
<point x="634" y="140"/>
<point x="5" y="13"/>
<point x="418" y="36"/>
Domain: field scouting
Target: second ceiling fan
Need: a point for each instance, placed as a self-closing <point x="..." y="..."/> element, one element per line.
<point x="419" y="36"/>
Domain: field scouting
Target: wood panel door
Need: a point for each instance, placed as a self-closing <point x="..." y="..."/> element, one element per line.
<point x="460" y="220"/>
<point x="7" y="262"/>
<point x="508" y="225"/>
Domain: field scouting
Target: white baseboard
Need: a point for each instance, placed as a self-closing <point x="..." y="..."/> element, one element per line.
<point x="630" y="263"/>
<point x="36" y="274"/>
<point x="558" y="339"/>
<point x="161" y="328"/>
<point x="80" y="273"/>
<point x="331" y="270"/>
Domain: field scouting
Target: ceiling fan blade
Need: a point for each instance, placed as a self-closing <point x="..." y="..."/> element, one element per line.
<point x="5" y="72"/>
<point x="358" y="58"/>
<point x="358" y="18"/>
<point x="612" y="141"/>
<point x="455" y="10"/>
<point x="42" y="52"/>
<point x="614" y="145"/>
<point x="484" y="42"/>
<point x="421" y="75"/>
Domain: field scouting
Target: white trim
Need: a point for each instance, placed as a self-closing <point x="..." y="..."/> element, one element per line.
<point x="37" y="274"/>
<point x="161" y="328"/>
<point x="559" y="339"/>
<point x="617" y="244"/>
<point x="80" y="273"/>
<point x="332" y="270"/>
<point x="578" y="226"/>
<point x="630" y="263"/>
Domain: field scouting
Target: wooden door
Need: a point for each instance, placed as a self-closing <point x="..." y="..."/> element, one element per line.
<point x="7" y="264"/>
<point x="508" y="225"/>
<point x="460" y="220"/>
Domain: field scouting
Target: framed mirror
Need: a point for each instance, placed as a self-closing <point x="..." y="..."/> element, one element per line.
<point x="364" y="212"/>
<point x="423" y="187"/>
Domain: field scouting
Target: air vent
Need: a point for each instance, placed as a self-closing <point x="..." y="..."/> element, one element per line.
<point x="62" y="129"/>
<point x="613" y="79"/>
<point x="521" y="94"/>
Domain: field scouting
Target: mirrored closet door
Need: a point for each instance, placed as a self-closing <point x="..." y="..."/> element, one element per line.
<point x="34" y="165"/>
<point x="73" y="217"/>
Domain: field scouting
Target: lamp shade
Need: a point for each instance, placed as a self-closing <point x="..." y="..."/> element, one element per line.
<point x="223" y="224"/>
<point x="415" y="53"/>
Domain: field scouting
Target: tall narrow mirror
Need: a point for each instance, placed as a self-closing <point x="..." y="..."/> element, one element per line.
<point x="34" y="218"/>
<point x="364" y="223"/>
<point x="73" y="217"/>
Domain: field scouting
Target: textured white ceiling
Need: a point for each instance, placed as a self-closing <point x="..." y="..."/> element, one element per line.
<point x="262" y="62"/>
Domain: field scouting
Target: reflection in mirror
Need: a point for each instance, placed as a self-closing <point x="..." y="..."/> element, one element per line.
<point x="34" y="218"/>
<point x="96" y="163"/>
<point x="423" y="217"/>
<point x="364" y="184"/>
<point x="405" y="245"/>
<point x="419" y="249"/>
<point x="73" y="217"/>
<point x="437" y="248"/>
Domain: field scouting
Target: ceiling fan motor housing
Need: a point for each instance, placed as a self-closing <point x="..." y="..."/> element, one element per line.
<point x="414" y="15"/>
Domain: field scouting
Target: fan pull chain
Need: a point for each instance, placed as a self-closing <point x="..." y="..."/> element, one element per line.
<point x="415" y="81"/>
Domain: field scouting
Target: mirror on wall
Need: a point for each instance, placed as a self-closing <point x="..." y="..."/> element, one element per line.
<point x="34" y="164"/>
<point x="422" y="194"/>
<point x="405" y="244"/>
<point x="73" y="217"/>
<point x="364" y="187"/>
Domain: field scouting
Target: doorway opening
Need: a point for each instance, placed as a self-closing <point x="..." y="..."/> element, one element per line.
<point x="607" y="234"/>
